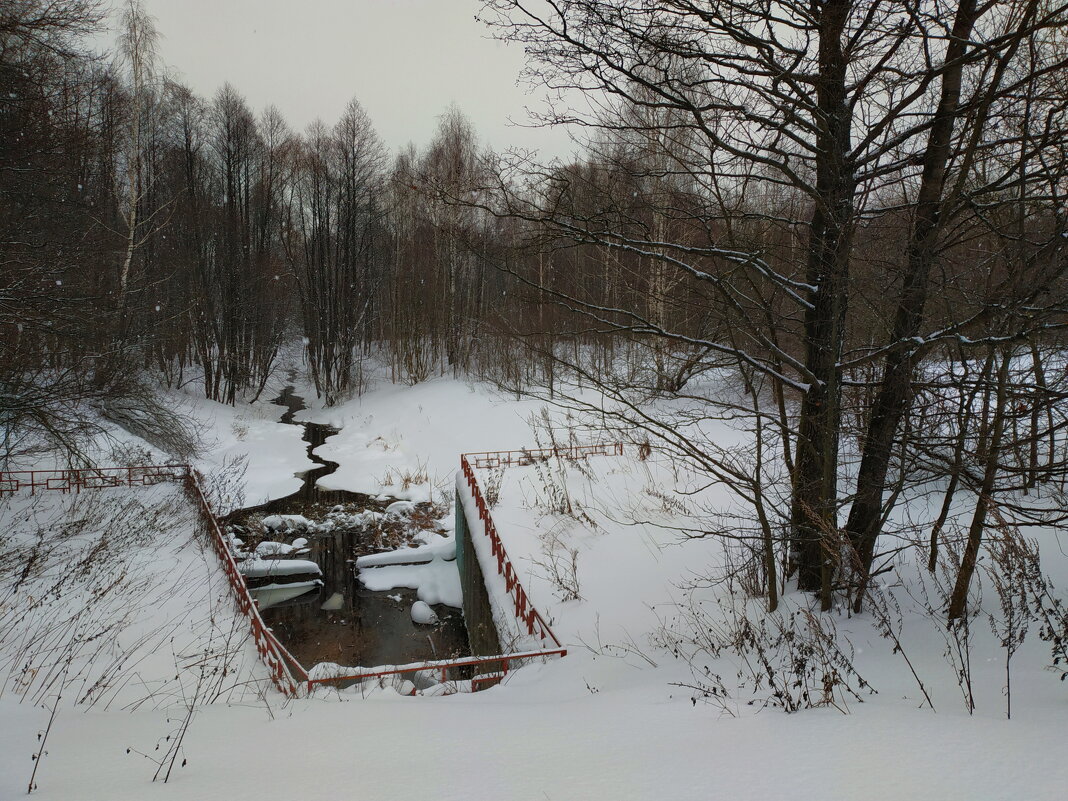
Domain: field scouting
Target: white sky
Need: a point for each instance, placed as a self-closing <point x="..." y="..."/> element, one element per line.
<point x="404" y="60"/>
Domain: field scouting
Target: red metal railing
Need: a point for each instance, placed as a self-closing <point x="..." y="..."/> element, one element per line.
<point x="520" y="458"/>
<point x="525" y="612"/>
<point x="284" y="668"/>
<point x="75" y="480"/>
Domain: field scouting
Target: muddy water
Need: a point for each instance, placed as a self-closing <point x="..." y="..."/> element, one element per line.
<point x="365" y="628"/>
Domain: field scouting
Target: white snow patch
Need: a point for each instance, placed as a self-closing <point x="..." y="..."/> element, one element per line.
<point x="269" y="548"/>
<point x="287" y="523"/>
<point x="333" y="603"/>
<point x="400" y="508"/>
<point x="423" y="614"/>
<point x="435" y="582"/>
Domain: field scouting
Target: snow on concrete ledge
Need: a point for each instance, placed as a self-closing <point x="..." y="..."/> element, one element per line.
<point x="511" y="635"/>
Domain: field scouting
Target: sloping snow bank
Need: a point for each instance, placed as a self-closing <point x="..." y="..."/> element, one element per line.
<point x="404" y="441"/>
<point x="266" y="457"/>
<point x="596" y="747"/>
<point x="112" y="596"/>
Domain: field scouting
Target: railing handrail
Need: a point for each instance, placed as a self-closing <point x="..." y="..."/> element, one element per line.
<point x="440" y="664"/>
<point x="79" y="478"/>
<point x="525" y="456"/>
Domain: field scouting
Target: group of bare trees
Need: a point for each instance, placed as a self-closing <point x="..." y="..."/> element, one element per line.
<point x="827" y="199"/>
<point x="61" y="212"/>
<point x="150" y="234"/>
<point x="855" y="210"/>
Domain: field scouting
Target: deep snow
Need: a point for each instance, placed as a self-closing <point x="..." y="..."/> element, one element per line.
<point x="615" y="719"/>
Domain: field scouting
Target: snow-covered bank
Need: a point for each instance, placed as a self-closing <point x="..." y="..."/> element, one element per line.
<point x="112" y="596"/>
<point x="406" y="441"/>
<point x="501" y="744"/>
<point x="266" y="456"/>
<point x="600" y="549"/>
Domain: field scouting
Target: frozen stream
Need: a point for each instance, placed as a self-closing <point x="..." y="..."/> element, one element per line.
<point x="358" y="627"/>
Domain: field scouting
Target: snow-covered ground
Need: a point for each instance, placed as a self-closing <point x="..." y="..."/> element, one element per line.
<point x="627" y="714"/>
<point x="249" y="438"/>
<point x="406" y="441"/>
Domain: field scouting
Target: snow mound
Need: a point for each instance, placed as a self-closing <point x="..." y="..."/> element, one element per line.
<point x="279" y="567"/>
<point x="423" y="614"/>
<point x="269" y="548"/>
<point x="400" y="508"/>
<point x="436" y="582"/>
<point x="287" y="523"/>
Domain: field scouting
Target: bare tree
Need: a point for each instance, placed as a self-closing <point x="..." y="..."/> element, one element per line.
<point x="331" y="237"/>
<point x="137" y="51"/>
<point x="853" y="111"/>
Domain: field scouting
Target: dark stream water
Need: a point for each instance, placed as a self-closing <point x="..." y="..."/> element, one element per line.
<point x="367" y="628"/>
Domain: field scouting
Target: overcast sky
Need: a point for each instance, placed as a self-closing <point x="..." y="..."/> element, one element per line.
<point x="404" y="60"/>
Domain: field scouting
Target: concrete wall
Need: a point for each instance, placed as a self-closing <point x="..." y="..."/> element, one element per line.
<point x="481" y="631"/>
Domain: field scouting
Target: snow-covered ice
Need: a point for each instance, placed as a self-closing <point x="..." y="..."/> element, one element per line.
<point x="435" y="582"/>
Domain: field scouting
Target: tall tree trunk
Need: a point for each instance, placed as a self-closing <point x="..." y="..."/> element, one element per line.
<point x="813" y="510"/>
<point x="895" y="391"/>
<point x="958" y="600"/>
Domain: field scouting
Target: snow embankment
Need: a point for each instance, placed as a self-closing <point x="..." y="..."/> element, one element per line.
<point x="263" y="458"/>
<point x="406" y="441"/>
<point x="112" y="599"/>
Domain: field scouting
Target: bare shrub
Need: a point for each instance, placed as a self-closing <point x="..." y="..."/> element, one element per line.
<point x="560" y="563"/>
<point x="889" y="619"/>
<point x="744" y="562"/>
<point x="1026" y="595"/>
<point x="406" y="478"/>
<point x="1014" y="569"/>
<point x="224" y="487"/>
<point x="789" y="659"/>
<point x="491" y="486"/>
<point x="932" y="594"/>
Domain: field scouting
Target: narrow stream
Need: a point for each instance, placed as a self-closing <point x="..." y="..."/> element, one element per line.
<point x="359" y="627"/>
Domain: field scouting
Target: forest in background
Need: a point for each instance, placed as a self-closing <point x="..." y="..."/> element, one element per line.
<point x="856" y="211"/>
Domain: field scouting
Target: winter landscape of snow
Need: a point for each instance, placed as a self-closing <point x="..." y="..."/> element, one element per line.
<point x="724" y="457"/>
<point x="630" y="712"/>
